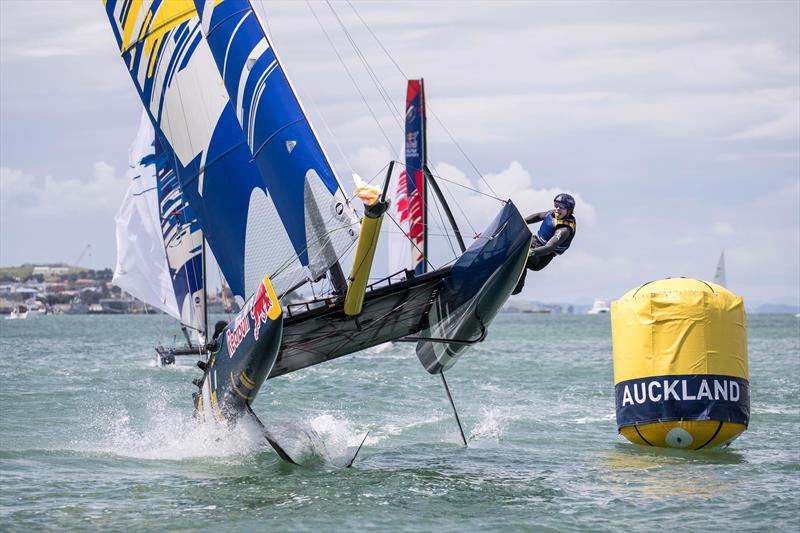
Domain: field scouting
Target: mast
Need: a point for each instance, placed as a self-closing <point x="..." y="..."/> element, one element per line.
<point x="424" y="143"/>
<point x="205" y="291"/>
<point x="415" y="175"/>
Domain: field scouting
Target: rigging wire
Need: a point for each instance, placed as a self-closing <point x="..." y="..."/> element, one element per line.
<point x="315" y="107"/>
<point x="435" y="203"/>
<point x="429" y="108"/>
<point x="387" y="100"/>
<point x="352" y="79"/>
<point x="455" y="201"/>
<point x="393" y="111"/>
<point x="396" y="223"/>
<point x="473" y="189"/>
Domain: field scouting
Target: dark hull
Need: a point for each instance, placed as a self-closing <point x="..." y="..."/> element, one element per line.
<point x="246" y="352"/>
<point x="478" y="285"/>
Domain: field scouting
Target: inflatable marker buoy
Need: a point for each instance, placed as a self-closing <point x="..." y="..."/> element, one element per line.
<point x="680" y="364"/>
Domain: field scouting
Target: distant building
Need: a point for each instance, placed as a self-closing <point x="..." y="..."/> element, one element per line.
<point x="26" y="291"/>
<point x="50" y="270"/>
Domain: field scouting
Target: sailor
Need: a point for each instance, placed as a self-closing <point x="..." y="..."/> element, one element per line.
<point x="554" y="236"/>
<point x="213" y="344"/>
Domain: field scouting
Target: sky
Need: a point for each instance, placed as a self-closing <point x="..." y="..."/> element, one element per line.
<point x="676" y="125"/>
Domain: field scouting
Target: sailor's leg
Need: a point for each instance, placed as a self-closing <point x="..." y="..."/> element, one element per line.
<point x="537" y="263"/>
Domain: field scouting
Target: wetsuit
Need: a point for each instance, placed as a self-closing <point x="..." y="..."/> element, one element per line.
<point x="553" y="238"/>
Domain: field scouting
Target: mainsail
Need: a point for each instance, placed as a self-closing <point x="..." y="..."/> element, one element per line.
<point x="159" y="244"/>
<point x="415" y="173"/>
<point x="304" y="188"/>
<point x="177" y="79"/>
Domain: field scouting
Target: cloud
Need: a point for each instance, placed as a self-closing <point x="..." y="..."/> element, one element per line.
<point x="476" y="200"/>
<point x="759" y="155"/>
<point x="784" y="127"/>
<point x="370" y="162"/>
<point x="32" y="196"/>
<point x="722" y="229"/>
<point x="42" y="31"/>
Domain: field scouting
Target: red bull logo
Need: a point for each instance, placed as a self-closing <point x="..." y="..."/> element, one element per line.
<point x="260" y="311"/>
<point x="235" y="335"/>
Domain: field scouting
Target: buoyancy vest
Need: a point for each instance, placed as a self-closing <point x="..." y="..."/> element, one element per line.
<point x="549" y="226"/>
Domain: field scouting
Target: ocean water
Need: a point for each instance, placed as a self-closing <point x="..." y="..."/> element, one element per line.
<point x="94" y="436"/>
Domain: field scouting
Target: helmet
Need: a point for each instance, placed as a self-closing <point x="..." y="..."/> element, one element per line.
<point x="565" y="200"/>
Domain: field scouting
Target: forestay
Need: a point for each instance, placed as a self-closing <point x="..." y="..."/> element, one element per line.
<point x="312" y="207"/>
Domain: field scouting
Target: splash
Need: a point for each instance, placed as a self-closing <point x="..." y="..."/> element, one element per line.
<point x="323" y="439"/>
<point x="165" y="430"/>
<point x="489" y="429"/>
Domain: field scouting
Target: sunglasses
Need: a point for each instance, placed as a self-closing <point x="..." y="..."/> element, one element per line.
<point x="561" y="206"/>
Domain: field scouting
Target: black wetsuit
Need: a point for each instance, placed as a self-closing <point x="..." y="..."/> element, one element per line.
<point x="543" y="252"/>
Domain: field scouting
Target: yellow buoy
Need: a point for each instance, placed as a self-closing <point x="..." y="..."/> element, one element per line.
<point x="680" y="364"/>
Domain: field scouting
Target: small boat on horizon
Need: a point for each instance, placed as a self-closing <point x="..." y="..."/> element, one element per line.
<point x="599" y="307"/>
<point x="18" y="313"/>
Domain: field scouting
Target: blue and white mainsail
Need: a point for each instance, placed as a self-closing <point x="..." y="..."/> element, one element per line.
<point x="159" y="243"/>
<point x="297" y="172"/>
<point x="240" y="210"/>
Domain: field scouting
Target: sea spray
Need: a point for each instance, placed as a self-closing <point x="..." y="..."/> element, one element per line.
<point x="167" y="431"/>
<point x="489" y="428"/>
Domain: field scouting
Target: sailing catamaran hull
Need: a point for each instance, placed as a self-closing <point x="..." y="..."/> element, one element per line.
<point x="479" y="283"/>
<point x="454" y="302"/>
<point x="247" y="350"/>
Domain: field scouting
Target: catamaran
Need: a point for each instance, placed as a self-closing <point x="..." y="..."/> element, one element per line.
<point x="252" y="180"/>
